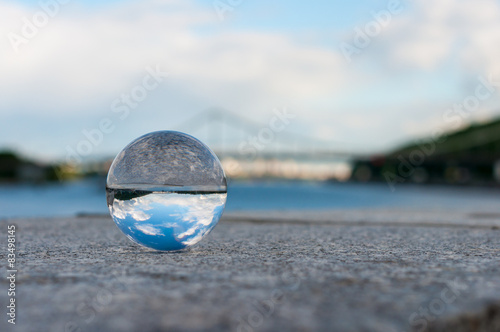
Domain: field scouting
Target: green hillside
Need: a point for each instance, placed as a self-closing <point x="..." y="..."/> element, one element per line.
<point x="467" y="156"/>
<point x="475" y="142"/>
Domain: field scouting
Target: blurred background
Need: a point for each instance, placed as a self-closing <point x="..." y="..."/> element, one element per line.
<point x="309" y="105"/>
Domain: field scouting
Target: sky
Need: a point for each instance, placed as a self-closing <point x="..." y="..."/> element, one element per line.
<point x="364" y="76"/>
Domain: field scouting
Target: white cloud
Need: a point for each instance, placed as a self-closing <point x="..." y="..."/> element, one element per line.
<point x="439" y="31"/>
<point x="134" y="207"/>
<point x="150" y="230"/>
<point x="85" y="58"/>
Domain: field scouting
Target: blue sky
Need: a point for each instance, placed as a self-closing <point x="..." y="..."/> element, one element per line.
<point x="259" y="57"/>
<point x="278" y="15"/>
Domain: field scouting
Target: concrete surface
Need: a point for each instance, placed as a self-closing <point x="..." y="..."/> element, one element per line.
<point x="311" y="271"/>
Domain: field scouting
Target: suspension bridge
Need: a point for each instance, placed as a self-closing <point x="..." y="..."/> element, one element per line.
<point x="248" y="148"/>
<point x="236" y="136"/>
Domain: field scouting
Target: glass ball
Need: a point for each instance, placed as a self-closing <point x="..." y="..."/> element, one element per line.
<point x="166" y="190"/>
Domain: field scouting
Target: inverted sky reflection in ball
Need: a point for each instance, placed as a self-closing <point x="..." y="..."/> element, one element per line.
<point x="166" y="190"/>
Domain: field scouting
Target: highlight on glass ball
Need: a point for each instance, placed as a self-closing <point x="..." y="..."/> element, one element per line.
<point x="166" y="190"/>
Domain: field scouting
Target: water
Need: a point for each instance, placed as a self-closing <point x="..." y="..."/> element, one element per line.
<point x="88" y="197"/>
<point x="165" y="220"/>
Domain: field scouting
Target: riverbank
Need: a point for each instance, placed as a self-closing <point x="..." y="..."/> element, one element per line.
<point x="337" y="271"/>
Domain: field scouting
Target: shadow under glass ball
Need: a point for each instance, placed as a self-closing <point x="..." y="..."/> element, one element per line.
<point x="166" y="190"/>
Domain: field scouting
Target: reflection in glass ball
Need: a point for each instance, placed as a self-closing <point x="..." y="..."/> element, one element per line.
<point x="166" y="190"/>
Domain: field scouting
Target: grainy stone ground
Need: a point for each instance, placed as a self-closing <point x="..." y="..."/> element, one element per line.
<point x="325" y="271"/>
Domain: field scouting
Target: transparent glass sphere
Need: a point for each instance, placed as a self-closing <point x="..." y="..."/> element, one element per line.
<point x="166" y="190"/>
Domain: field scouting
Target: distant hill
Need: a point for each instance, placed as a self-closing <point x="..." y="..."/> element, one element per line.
<point x="477" y="142"/>
<point x="13" y="168"/>
<point x="9" y="163"/>
<point x="467" y="156"/>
